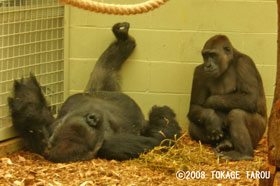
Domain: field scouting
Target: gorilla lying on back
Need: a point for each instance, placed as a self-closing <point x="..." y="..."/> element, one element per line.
<point x="102" y="122"/>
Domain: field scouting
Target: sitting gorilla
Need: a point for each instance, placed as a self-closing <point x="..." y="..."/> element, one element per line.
<point x="228" y="107"/>
<point x="101" y="122"/>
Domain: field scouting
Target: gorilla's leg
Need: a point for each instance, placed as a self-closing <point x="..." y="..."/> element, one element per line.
<point x="245" y="131"/>
<point x="104" y="76"/>
<point x="31" y="116"/>
<point x="198" y="133"/>
<point x="213" y="132"/>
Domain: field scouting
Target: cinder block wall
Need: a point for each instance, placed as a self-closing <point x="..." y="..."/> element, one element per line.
<point x="169" y="42"/>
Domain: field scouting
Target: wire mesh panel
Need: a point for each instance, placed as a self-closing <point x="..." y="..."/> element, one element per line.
<point x="31" y="40"/>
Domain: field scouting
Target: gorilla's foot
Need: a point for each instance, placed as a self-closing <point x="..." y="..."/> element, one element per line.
<point x="224" y="145"/>
<point x="121" y="30"/>
<point x="235" y="156"/>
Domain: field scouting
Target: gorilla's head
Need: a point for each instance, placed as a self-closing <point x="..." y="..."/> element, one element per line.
<point x="77" y="136"/>
<point x="217" y="54"/>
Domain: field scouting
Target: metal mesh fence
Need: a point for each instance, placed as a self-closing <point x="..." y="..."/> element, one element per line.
<point x="31" y="40"/>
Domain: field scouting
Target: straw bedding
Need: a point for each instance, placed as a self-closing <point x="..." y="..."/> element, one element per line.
<point x="154" y="168"/>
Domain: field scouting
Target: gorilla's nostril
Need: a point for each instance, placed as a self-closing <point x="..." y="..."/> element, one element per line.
<point x="92" y="119"/>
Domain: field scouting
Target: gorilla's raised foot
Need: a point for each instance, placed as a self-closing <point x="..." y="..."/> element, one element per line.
<point x="121" y="30"/>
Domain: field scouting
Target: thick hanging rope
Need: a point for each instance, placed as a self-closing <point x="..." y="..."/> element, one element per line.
<point x="116" y="9"/>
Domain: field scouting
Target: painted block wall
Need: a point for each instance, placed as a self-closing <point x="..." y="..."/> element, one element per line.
<point x="169" y="42"/>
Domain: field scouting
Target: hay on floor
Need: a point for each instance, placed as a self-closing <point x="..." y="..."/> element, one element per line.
<point x="153" y="168"/>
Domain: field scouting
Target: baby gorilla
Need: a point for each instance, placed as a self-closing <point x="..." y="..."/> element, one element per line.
<point x="101" y="122"/>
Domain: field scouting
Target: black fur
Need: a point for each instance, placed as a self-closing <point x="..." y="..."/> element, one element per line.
<point x="101" y="122"/>
<point x="228" y="107"/>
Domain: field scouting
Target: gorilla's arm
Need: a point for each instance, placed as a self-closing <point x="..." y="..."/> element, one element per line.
<point x="246" y="95"/>
<point x="104" y="75"/>
<point x="162" y="125"/>
<point x="126" y="146"/>
<point x="198" y="113"/>
<point x="31" y="116"/>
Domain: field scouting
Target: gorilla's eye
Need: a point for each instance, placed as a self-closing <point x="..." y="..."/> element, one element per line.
<point x="205" y="55"/>
<point x="226" y="49"/>
<point x="213" y="54"/>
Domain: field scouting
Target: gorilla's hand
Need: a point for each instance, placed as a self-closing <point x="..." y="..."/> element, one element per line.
<point x="28" y="99"/>
<point x="30" y="114"/>
<point x="162" y="124"/>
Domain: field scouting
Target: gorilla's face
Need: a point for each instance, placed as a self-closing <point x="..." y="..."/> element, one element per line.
<point x="77" y="136"/>
<point x="217" y="54"/>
